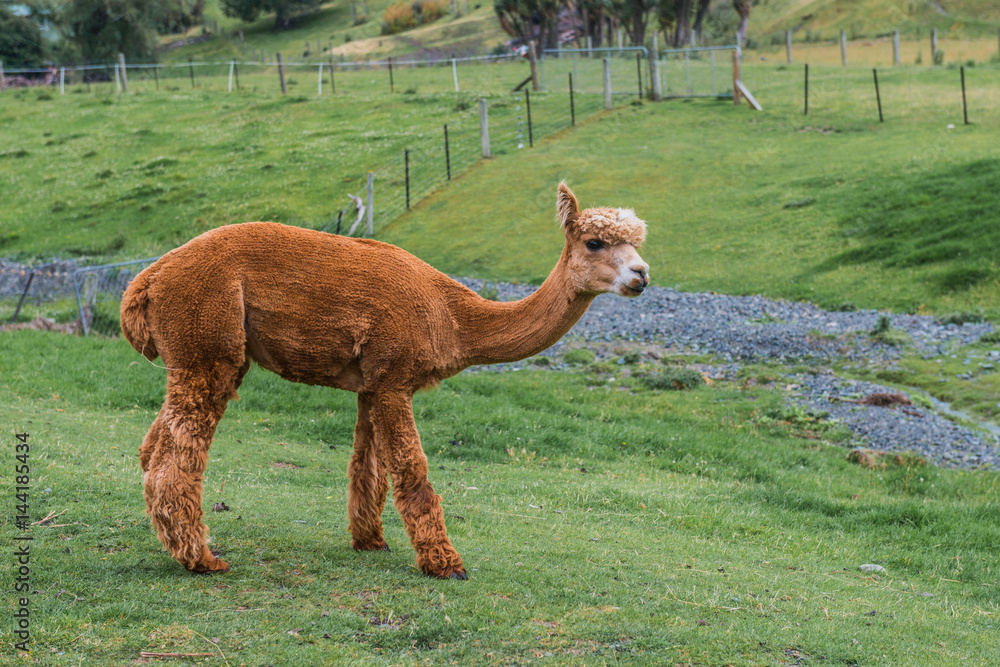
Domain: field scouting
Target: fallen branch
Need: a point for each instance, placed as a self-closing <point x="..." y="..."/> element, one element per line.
<point x="52" y="515"/>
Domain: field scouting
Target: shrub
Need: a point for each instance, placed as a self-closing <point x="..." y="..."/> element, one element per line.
<point x="397" y="18"/>
<point x="885" y="333"/>
<point x="961" y="318"/>
<point x="579" y="356"/>
<point x="430" y="10"/>
<point x="675" y="379"/>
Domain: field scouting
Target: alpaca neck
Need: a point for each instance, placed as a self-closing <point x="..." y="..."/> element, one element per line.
<point x="492" y="332"/>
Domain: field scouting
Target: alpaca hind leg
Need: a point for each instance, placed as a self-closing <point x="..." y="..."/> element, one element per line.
<point x="416" y="502"/>
<point x="175" y="476"/>
<point x="367" y="486"/>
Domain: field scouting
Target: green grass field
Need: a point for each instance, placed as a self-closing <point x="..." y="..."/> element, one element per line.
<point x="601" y="524"/>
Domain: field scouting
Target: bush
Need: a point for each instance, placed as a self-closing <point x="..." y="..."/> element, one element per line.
<point x="885" y="333"/>
<point x="676" y="379"/>
<point x="579" y="356"/>
<point x="397" y="18"/>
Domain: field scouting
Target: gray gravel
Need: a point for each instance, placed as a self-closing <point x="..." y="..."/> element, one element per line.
<point x="735" y="329"/>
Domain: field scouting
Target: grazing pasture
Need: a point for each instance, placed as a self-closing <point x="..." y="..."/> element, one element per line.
<point x="601" y="522"/>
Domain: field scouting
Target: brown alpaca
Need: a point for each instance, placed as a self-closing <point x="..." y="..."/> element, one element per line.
<point x="349" y="313"/>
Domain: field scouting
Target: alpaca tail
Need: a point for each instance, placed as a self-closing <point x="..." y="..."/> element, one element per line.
<point x="135" y="301"/>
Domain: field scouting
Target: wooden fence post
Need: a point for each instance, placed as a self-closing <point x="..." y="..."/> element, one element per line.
<point x="572" y="108"/>
<point x="934" y="45"/>
<point x="124" y="72"/>
<point x="484" y="128"/>
<point x="843" y="48"/>
<point x="607" y="83"/>
<point x="281" y="75"/>
<point x="788" y="45"/>
<point x="736" y="77"/>
<point x="371" y="204"/>
<point x="895" y="48"/>
<point x="191" y="70"/>
<point x="333" y="86"/>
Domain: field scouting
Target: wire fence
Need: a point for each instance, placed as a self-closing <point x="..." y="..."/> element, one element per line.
<point x="839" y="94"/>
<point x="99" y="294"/>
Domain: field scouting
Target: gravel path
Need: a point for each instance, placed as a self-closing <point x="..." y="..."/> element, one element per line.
<point x="736" y="329"/>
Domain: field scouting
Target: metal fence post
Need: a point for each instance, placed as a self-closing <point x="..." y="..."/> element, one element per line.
<point x="191" y="69"/>
<point x="484" y="128"/>
<point x="843" y="48"/>
<point x="447" y="152"/>
<point x="281" y="75"/>
<point x="406" y="162"/>
<point x="527" y="103"/>
<point x="788" y="45"/>
<point x="232" y="64"/>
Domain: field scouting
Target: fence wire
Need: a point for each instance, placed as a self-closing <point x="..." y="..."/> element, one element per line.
<point x="99" y="294"/>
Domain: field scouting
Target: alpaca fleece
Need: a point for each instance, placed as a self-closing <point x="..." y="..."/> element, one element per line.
<point x="353" y="314"/>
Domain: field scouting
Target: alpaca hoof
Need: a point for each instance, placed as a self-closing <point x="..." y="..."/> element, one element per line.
<point x="370" y="546"/>
<point x="450" y="573"/>
<point x="214" y="566"/>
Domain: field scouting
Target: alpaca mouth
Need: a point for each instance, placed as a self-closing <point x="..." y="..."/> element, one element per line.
<point x="635" y="291"/>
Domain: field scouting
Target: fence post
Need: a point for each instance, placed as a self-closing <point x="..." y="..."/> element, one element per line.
<point x="392" y="86"/>
<point x="406" y="163"/>
<point x="843" y="48"/>
<point x="118" y="79"/>
<point x="484" y="128"/>
<point x="654" y="76"/>
<point x="124" y="71"/>
<point x="191" y="69"/>
<point x="687" y="72"/>
<point x="447" y="152"/>
<point x="232" y="65"/>
<point x="156" y="76"/>
<point x="736" y="77"/>
<point x="638" y="72"/>
<point x="319" y="81"/>
<point x="572" y="108"/>
<point x="895" y="48"/>
<point x="533" y="58"/>
<point x="965" y="108"/>
<point x="607" y="83"/>
<point x="454" y="72"/>
<point x="371" y="204"/>
<point x="3" y="79"/>
<point x="24" y="295"/>
<point x="933" y="45"/>
<point x="788" y="45"/>
<point x="281" y="75"/>
<point x="805" y="110"/>
<point x="62" y="80"/>
<point x="527" y="103"/>
<point x="878" y="95"/>
<point x="590" y="46"/>
<point x="712" y="53"/>
<point x="333" y="86"/>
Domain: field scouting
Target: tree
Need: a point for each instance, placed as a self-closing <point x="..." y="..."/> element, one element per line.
<point x="742" y="8"/>
<point x="171" y="16"/>
<point x="102" y="29"/>
<point x="529" y="21"/>
<point x="284" y="10"/>
<point x="20" y="40"/>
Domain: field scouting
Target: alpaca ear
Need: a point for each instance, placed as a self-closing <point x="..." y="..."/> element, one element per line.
<point x="567" y="207"/>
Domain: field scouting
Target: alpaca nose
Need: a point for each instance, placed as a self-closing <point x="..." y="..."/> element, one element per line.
<point x="641" y="270"/>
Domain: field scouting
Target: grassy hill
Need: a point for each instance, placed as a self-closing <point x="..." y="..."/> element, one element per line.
<point x="332" y="25"/>
<point x="824" y="19"/>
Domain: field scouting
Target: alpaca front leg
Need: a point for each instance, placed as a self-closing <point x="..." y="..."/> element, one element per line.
<point x="173" y="490"/>
<point x="415" y="500"/>
<point x="367" y="486"/>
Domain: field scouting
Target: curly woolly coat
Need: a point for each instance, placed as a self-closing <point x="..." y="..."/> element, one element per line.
<point x="354" y="314"/>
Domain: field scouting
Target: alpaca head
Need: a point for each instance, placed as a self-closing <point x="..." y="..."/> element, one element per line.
<point x="601" y="247"/>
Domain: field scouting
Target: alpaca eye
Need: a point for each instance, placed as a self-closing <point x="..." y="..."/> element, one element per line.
<point x="594" y="244"/>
